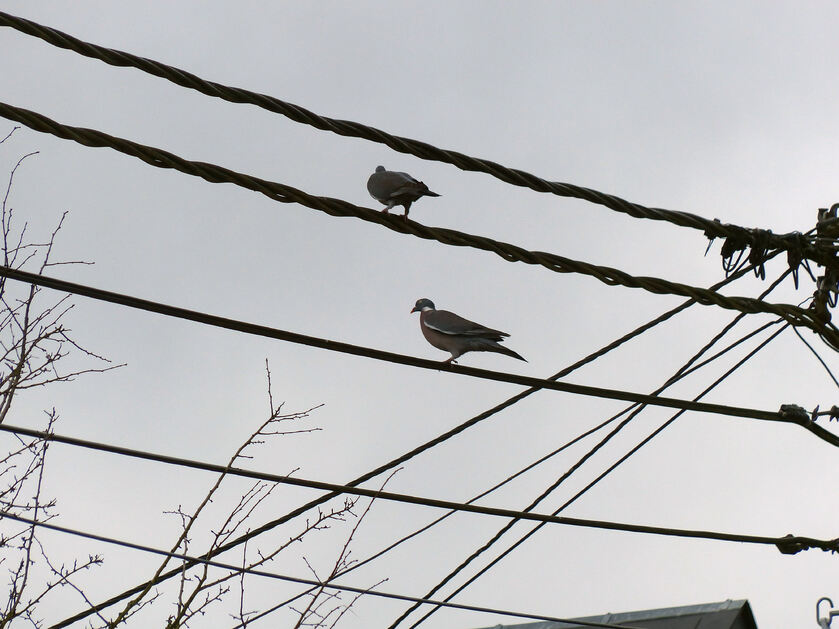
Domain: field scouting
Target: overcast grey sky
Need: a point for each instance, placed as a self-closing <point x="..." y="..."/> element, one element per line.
<point x="725" y="109"/>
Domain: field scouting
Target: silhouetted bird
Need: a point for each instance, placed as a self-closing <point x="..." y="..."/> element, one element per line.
<point x="394" y="188"/>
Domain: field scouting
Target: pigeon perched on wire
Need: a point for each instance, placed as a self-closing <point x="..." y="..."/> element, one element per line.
<point x="394" y="188"/>
<point x="456" y="335"/>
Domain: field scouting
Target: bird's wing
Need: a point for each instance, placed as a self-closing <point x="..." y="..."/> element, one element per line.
<point x="388" y="184"/>
<point x="406" y="176"/>
<point x="447" y="322"/>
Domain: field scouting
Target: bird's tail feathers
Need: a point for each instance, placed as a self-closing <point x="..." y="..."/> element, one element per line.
<point x="492" y="346"/>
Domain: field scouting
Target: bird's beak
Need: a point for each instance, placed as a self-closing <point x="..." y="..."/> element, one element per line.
<point x="414" y="309"/>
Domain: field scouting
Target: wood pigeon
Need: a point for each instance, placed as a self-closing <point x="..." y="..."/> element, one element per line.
<point x="456" y="335"/>
<point x="395" y="188"/>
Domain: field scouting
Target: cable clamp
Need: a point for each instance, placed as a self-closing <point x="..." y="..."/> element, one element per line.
<point x="827" y="223"/>
<point x="757" y="256"/>
<point x="789" y="544"/>
<point x="711" y="236"/>
<point x="795" y="413"/>
<point x="734" y="245"/>
<point x="827" y="288"/>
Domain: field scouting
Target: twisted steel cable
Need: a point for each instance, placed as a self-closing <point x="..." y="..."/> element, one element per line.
<point x="337" y="207"/>
<point x="712" y="228"/>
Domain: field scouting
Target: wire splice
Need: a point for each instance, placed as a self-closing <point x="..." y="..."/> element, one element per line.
<point x="796" y="414"/>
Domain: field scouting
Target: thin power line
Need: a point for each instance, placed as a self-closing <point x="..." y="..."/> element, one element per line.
<point x="436" y="520"/>
<point x="640" y="330"/>
<point x="818" y="357"/>
<point x="404" y="457"/>
<point x="282" y="577"/>
<point x="337" y="207"/>
<point x="417" y="500"/>
<point x="683" y="372"/>
<point x="357" y="350"/>
<point x="712" y="228"/>
<point x="680" y="373"/>
<point x="600" y="477"/>
<point x="603" y="474"/>
<point x="636" y="409"/>
<point x="412" y="453"/>
<point x="592" y="192"/>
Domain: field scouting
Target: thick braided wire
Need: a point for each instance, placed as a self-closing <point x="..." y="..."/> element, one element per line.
<point x="337" y="207"/>
<point x="712" y="228"/>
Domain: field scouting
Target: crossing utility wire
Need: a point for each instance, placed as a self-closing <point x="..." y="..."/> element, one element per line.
<point x="337" y="207"/>
<point x="689" y="367"/>
<point x="446" y="515"/>
<point x="786" y="544"/>
<point x="585" y="489"/>
<point x="761" y="238"/>
<point x="406" y="456"/>
<point x="818" y="357"/>
<point x="357" y="350"/>
<point x="282" y="577"/>
<point x="683" y="371"/>
<point x="635" y="410"/>
<point x="582" y="491"/>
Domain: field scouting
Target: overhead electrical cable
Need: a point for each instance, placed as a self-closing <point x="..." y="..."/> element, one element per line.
<point x="401" y="459"/>
<point x="521" y="540"/>
<point x="416" y="451"/>
<point x="337" y="207"/>
<point x="818" y="357"/>
<point x="417" y="500"/>
<point x="712" y="228"/>
<point x="357" y="350"/>
<point x="614" y="466"/>
<point x="282" y="577"/>
<point x="433" y="442"/>
<point x="683" y="372"/>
